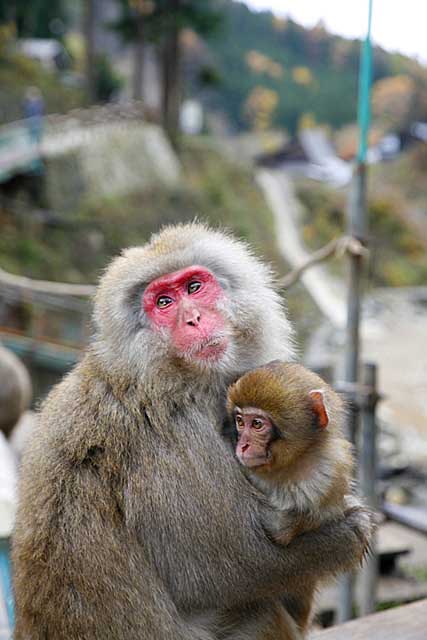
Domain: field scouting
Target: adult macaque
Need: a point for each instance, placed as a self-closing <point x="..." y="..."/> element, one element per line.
<point x="15" y="390"/>
<point x="134" y="517"/>
<point x="288" y="431"/>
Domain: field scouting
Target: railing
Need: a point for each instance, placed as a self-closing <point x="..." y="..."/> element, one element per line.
<point x="17" y="151"/>
<point x="47" y="325"/>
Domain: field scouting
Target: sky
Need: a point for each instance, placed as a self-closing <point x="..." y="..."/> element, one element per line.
<point x="397" y="25"/>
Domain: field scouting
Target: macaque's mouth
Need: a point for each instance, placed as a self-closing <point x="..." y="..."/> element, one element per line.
<point x="211" y="349"/>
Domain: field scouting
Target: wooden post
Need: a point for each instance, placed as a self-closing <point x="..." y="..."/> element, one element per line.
<point x="368" y="477"/>
<point x="356" y="227"/>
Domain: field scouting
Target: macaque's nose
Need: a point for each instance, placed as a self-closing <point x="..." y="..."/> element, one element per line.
<point x="244" y="447"/>
<point x="191" y="316"/>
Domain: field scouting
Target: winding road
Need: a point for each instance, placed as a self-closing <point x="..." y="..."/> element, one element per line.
<point x="327" y="292"/>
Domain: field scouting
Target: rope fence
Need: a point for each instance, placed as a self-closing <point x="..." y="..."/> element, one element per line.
<point x="335" y="248"/>
<point x="29" y="285"/>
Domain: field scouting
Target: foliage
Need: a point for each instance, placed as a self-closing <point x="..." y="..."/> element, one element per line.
<point x="398" y="257"/>
<point x="309" y="69"/>
<point x="160" y="16"/>
<point x="17" y="73"/>
<point x="35" y="18"/>
<point x="77" y="247"/>
<point x="107" y="81"/>
<point x="259" y="63"/>
<point x="163" y="22"/>
<point x="392" y="99"/>
<point x="260" y="107"/>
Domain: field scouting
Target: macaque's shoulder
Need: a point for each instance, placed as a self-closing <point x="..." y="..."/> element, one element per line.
<point x="79" y="412"/>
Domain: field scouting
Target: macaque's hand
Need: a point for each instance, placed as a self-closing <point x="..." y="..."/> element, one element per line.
<point x="363" y="521"/>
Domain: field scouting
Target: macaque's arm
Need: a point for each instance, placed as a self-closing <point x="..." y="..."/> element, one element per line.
<point x="333" y="548"/>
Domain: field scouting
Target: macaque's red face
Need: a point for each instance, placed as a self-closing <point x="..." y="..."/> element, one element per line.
<point x="255" y="432"/>
<point x="186" y="305"/>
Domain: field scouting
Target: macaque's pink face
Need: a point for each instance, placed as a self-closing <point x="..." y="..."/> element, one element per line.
<point x="255" y="432"/>
<point x="186" y="305"/>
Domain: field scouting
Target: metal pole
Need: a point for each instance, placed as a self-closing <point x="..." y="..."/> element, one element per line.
<point x="351" y="371"/>
<point x="356" y="228"/>
<point x="368" y="476"/>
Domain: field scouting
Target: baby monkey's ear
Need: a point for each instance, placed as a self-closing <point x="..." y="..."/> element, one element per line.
<point x="318" y="407"/>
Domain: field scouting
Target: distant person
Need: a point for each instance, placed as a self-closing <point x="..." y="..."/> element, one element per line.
<point x="33" y="108"/>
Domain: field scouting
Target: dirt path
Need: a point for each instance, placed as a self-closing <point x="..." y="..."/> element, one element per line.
<point x="327" y="292"/>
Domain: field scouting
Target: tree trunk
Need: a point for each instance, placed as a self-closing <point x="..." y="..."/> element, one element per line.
<point x="89" y="30"/>
<point x="171" y="90"/>
<point x="138" y="69"/>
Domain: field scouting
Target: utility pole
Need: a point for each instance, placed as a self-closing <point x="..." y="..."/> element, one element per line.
<point x="357" y="228"/>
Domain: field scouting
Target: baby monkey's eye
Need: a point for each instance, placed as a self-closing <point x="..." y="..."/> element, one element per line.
<point x="194" y="286"/>
<point x="257" y="423"/>
<point x="239" y="421"/>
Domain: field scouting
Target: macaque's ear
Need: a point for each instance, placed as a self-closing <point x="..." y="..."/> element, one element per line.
<point x="318" y="407"/>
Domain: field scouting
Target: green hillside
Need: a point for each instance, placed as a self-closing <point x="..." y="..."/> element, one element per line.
<point x="310" y="70"/>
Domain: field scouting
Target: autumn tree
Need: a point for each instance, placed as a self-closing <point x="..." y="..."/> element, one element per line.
<point x="260" y="107"/>
<point x="399" y="100"/>
<point x="391" y="100"/>
<point x="136" y="24"/>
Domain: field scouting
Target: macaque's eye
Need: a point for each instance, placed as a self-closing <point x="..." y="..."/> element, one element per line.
<point x="257" y="423"/>
<point x="163" y="302"/>
<point x="239" y="421"/>
<point x="194" y="286"/>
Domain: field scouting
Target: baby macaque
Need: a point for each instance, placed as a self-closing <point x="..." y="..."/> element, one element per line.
<point x="288" y="424"/>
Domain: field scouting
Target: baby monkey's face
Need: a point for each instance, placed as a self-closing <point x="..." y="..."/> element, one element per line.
<point x="255" y="432"/>
<point x="279" y="413"/>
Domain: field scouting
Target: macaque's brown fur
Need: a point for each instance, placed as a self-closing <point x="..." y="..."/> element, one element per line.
<point x="134" y="519"/>
<point x="309" y="474"/>
<point x="15" y="390"/>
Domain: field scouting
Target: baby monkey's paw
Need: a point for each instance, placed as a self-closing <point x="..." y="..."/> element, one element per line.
<point x="364" y="523"/>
